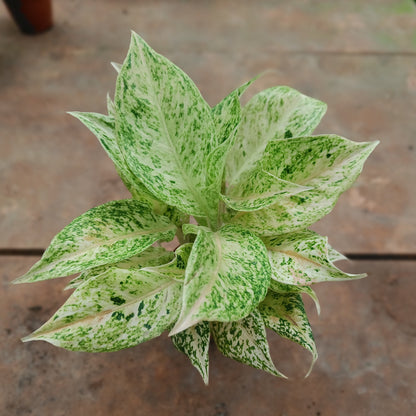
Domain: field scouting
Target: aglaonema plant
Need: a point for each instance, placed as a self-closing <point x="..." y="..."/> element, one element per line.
<point x="237" y="186"/>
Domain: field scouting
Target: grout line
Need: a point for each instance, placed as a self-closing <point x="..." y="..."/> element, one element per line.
<point x="382" y="256"/>
<point x="21" y="251"/>
<point x="349" y="53"/>
<point x="350" y="256"/>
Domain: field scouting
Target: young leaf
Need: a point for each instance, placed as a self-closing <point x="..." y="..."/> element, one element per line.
<point x="228" y="274"/>
<point x="284" y="288"/>
<point x="103" y="127"/>
<point x="301" y="258"/>
<point x="152" y="256"/>
<point x="165" y="129"/>
<point x="106" y="234"/>
<point x="117" y="309"/>
<point x="194" y="342"/>
<point x="111" y="110"/>
<point x="275" y="113"/>
<point x="285" y="314"/>
<point x="327" y="164"/>
<point x="226" y="117"/>
<point x="245" y="341"/>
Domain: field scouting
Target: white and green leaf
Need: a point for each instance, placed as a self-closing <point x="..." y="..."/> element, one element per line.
<point x="245" y="341"/>
<point x="194" y="342"/>
<point x="226" y="117"/>
<point x="151" y="257"/>
<point x="258" y="190"/>
<point x="276" y="113"/>
<point x="117" y="309"/>
<point x="284" y="288"/>
<point x="285" y="314"/>
<point x="227" y="275"/>
<point x="165" y="129"/>
<point x="105" y="234"/>
<point x="327" y="164"/>
<point x="103" y="127"/>
<point x="302" y="258"/>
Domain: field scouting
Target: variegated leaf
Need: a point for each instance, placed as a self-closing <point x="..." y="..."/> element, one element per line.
<point x="103" y="127"/>
<point x="275" y="113"/>
<point x="334" y="255"/>
<point x="117" y="309"/>
<point x="226" y="117"/>
<point x="228" y="274"/>
<point x="327" y="164"/>
<point x="175" y="269"/>
<point x="245" y="341"/>
<point x="194" y="342"/>
<point x="284" y="288"/>
<point x="105" y="234"/>
<point x="165" y="129"/>
<point x="116" y="66"/>
<point x="111" y="110"/>
<point x="259" y="189"/>
<point x="301" y="258"/>
<point x="285" y="314"/>
<point x="193" y="228"/>
<point x="152" y="256"/>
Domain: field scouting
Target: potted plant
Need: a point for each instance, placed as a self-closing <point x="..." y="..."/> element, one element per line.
<point x="237" y="187"/>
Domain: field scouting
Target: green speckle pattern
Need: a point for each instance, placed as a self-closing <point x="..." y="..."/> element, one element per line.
<point x="305" y="161"/>
<point x="105" y="234"/>
<point x="152" y="256"/>
<point x="285" y="314"/>
<point x="302" y="259"/>
<point x="194" y="342"/>
<point x="268" y="116"/>
<point x="103" y="127"/>
<point x="118" y="309"/>
<point x="228" y="274"/>
<point x="284" y="288"/>
<point x="245" y="341"/>
<point x="165" y="129"/>
<point x="258" y="190"/>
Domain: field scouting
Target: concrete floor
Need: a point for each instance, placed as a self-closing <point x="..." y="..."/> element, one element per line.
<point x="359" y="58"/>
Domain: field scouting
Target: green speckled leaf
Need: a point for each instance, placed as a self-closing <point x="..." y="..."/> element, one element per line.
<point x="334" y="255"/>
<point x="228" y="274"/>
<point x="328" y="164"/>
<point x="103" y="128"/>
<point x="105" y="234"/>
<point x="175" y="269"/>
<point x="194" y="342"/>
<point x="285" y="314"/>
<point x="152" y="256"/>
<point x="226" y="116"/>
<point x="284" y="288"/>
<point x="275" y="113"/>
<point x="301" y="258"/>
<point x="111" y="110"/>
<point x="117" y="309"/>
<point x="245" y="341"/>
<point x="165" y="129"/>
<point x="259" y="189"/>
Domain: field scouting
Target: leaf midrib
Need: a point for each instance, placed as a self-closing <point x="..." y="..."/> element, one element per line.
<point x="108" y="311"/>
<point x="185" y="177"/>
<point x="110" y="241"/>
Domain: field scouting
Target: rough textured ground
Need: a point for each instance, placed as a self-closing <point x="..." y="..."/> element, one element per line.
<point x="359" y="58"/>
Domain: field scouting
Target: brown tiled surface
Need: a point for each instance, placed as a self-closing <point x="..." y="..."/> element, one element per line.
<point x="53" y="169"/>
<point x="358" y="57"/>
<point x="365" y="337"/>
